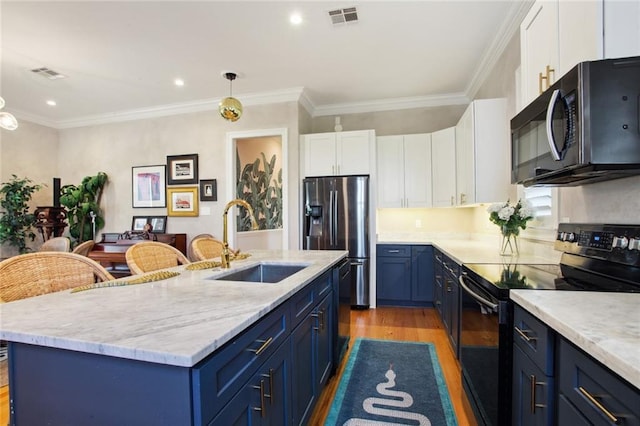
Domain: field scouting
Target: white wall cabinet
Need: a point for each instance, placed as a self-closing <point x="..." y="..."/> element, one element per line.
<point x="443" y="167"/>
<point x="404" y="170"/>
<point x="341" y="153"/>
<point x="556" y="35"/>
<point x="483" y="153"/>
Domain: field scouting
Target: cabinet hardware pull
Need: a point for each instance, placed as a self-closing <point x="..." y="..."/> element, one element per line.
<point x="598" y="405"/>
<point x="393" y="251"/>
<point x="463" y="198"/>
<point x="549" y="71"/>
<point x="453" y="200"/>
<point x="540" y="78"/>
<point x="321" y="319"/>
<point x="270" y="377"/>
<point x="261" y="349"/>
<point x="524" y="334"/>
<point x="261" y="409"/>
<point x="534" y="383"/>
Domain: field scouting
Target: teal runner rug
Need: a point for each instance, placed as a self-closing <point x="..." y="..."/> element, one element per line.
<point x="392" y="383"/>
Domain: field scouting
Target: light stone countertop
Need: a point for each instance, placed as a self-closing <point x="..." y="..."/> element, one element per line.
<point x="604" y="325"/>
<point x="177" y="321"/>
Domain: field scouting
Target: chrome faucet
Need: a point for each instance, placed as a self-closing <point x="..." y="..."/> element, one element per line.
<point x="225" y="257"/>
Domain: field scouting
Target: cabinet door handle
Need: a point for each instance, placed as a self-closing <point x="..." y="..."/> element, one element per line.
<point x="463" y="198"/>
<point x="265" y="344"/>
<point x="540" y="78"/>
<point x="270" y="395"/>
<point x="533" y="384"/>
<point x="321" y="319"/>
<point x="524" y="335"/>
<point x="393" y="251"/>
<point x="261" y="408"/>
<point x="598" y="405"/>
<point x="549" y="71"/>
<point x="453" y="200"/>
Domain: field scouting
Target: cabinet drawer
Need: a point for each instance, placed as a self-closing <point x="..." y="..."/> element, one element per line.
<point x="395" y="250"/>
<point x="217" y="378"/>
<point x="302" y="303"/>
<point x="534" y="338"/>
<point x="594" y="389"/>
<point x="324" y="285"/>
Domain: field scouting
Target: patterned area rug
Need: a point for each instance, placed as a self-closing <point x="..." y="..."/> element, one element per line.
<point x="392" y="383"/>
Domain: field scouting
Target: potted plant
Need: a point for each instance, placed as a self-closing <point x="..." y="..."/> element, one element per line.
<point x="16" y="222"/>
<point x="83" y="207"/>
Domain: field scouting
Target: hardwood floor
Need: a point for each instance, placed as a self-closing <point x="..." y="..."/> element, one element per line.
<point x="413" y="324"/>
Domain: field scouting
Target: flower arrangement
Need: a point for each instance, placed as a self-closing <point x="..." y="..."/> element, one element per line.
<point x="510" y="219"/>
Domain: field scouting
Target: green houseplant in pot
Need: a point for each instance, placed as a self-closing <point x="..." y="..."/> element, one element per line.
<point x="16" y="222"/>
<point x="82" y="202"/>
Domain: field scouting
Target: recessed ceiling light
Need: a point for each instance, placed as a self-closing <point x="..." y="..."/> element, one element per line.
<point x="51" y="102"/>
<point x="178" y="82"/>
<point x="295" y="19"/>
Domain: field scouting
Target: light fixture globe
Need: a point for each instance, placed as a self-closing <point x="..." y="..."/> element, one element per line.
<point x="230" y="108"/>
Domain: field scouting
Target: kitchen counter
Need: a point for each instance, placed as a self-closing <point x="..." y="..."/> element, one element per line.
<point x="177" y="321"/>
<point x="604" y="325"/>
<point x="470" y="250"/>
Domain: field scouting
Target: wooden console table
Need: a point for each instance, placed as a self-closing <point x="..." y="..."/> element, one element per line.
<point x="111" y="255"/>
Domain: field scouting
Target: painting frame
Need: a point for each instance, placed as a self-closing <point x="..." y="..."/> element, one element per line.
<point x="209" y="190"/>
<point x="138" y="223"/>
<point x="182" y="201"/>
<point x="158" y="224"/>
<point x="148" y="186"/>
<point x="182" y="169"/>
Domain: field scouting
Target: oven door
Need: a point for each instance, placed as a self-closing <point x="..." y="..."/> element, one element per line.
<point x="485" y="353"/>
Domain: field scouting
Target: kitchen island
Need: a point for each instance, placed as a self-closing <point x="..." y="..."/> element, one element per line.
<point x="138" y="354"/>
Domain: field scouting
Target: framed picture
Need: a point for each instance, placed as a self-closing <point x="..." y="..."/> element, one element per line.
<point x="158" y="224"/>
<point x="148" y="186"/>
<point x="183" y="169"/>
<point x="138" y="223"/>
<point x="183" y="201"/>
<point x="208" y="190"/>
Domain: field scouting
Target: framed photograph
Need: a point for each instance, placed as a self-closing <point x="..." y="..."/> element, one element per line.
<point x="138" y="223"/>
<point x="208" y="190"/>
<point x="183" y="201"/>
<point x="148" y="186"/>
<point x="158" y="224"/>
<point x="183" y="169"/>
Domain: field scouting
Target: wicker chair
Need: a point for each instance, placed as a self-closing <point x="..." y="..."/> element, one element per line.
<point x="206" y="248"/>
<point x="34" y="274"/>
<point x="147" y="256"/>
<point x="190" y="254"/>
<point x="56" y="244"/>
<point x="83" y="249"/>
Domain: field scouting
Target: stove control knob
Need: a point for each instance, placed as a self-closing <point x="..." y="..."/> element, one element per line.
<point x="621" y="242"/>
<point x="569" y="236"/>
<point x="634" y="243"/>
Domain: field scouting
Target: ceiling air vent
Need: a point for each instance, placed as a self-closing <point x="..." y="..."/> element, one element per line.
<point x="48" y="73"/>
<point x="341" y="16"/>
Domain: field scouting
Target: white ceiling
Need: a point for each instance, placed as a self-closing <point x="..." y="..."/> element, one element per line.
<point x="121" y="58"/>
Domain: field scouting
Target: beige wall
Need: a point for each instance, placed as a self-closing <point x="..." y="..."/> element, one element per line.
<point x="30" y="152"/>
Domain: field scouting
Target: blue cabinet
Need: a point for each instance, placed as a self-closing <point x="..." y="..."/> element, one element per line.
<point x="312" y="354"/>
<point x="404" y="275"/>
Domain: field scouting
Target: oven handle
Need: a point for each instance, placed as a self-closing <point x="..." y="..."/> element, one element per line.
<point x="475" y="295"/>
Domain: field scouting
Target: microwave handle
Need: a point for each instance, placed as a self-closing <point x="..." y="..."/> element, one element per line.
<point x="550" y="109"/>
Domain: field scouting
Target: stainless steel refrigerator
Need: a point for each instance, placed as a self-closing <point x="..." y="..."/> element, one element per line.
<point x="336" y="217"/>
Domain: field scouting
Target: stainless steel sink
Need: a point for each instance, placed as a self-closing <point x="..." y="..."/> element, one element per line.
<point x="262" y="273"/>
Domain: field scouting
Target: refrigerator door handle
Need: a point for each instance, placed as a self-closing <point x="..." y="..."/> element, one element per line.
<point x="335" y="218"/>
<point x="331" y="224"/>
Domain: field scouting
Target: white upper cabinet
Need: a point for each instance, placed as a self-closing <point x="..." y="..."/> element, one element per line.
<point x="443" y="167"/>
<point x="341" y="153"/>
<point x="404" y="171"/>
<point x="482" y="155"/>
<point x="558" y="34"/>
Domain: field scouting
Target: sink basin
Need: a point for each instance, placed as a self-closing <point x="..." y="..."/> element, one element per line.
<point x="262" y="273"/>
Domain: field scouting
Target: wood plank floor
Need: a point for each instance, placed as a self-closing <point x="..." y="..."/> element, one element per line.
<point x="413" y="324"/>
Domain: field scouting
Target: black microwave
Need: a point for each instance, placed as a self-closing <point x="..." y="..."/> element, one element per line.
<point x="585" y="128"/>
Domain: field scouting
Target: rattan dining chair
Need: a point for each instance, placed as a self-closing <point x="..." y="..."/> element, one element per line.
<point x="147" y="256"/>
<point x="190" y="255"/>
<point x="206" y="248"/>
<point x="56" y="244"/>
<point x="34" y="274"/>
<point x="83" y="249"/>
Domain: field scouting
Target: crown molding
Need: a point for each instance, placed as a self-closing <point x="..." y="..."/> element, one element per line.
<point x="391" y="104"/>
<point x="509" y="27"/>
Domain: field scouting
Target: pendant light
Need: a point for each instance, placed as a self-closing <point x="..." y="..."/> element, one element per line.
<point x="230" y="108"/>
<point x="7" y="120"/>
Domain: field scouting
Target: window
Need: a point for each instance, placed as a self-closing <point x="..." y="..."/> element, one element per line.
<point x="544" y="201"/>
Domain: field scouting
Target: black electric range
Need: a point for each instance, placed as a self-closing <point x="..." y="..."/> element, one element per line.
<point x="595" y="257"/>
